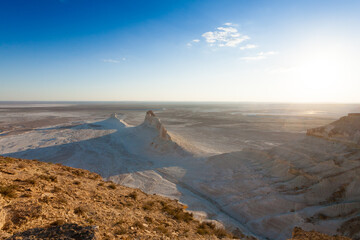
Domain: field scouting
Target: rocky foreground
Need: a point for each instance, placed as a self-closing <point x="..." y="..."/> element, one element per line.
<point x="51" y="201"/>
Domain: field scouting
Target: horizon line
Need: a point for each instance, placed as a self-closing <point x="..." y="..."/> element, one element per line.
<point x="148" y="101"/>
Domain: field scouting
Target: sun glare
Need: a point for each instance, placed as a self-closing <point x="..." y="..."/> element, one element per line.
<point x="323" y="70"/>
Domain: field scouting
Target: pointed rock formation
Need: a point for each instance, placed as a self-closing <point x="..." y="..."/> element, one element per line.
<point x="153" y="121"/>
<point x="346" y="129"/>
<point x="161" y="140"/>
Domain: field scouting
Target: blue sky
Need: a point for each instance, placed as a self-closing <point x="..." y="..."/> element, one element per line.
<point x="233" y="50"/>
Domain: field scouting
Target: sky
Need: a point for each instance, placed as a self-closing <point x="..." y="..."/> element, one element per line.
<point x="168" y="50"/>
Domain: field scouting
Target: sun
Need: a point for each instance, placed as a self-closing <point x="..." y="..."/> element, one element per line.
<point x="323" y="72"/>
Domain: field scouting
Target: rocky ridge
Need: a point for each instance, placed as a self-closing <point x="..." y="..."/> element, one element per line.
<point x="346" y="129"/>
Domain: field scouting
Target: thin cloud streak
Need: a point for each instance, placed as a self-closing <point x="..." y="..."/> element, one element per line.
<point x="259" y="56"/>
<point x="248" y="46"/>
<point x="110" y="60"/>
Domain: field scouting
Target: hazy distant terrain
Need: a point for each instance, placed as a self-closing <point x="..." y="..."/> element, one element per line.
<point x="250" y="166"/>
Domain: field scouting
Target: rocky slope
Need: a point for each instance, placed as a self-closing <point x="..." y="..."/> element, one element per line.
<point x="300" y="234"/>
<point x="346" y="129"/>
<point x="52" y="201"/>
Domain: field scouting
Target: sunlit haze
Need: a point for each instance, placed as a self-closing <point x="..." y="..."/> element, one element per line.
<point x="261" y="51"/>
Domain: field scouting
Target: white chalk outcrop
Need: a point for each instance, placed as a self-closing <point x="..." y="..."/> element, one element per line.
<point x="346" y="129"/>
<point x="151" y="120"/>
<point x="160" y="139"/>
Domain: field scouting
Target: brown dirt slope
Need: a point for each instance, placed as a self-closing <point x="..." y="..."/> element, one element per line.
<point x="299" y="234"/>
<point x="44" y="198"/>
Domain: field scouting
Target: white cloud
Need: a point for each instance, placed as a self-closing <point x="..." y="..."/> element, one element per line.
<point x="225" y="36"/>
<point x="248" y="46"/>
<point x="110" y="61"/>
<point x="259" y="56"/>
<point x="190" y="44"/>
<point x="124" y="59"/>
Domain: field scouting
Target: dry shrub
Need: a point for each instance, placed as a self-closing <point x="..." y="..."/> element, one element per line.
<point x="133" y="195"/>
<point x="30" y="181"/>
<point x="49" y="178"/>
<point x="78" y="172"/>
<point x="80" y="210"/>
<point x="178" y="213"/>
<point x="56" y="189"/>
<point x="205" y="228"/>
<point x="209" y="228"/>
<point x="76" y="182"/>
<point x="120" y="231"/>
<point x="161" y="229"/>
<point x="148" y="205"/>
<point x="222" y="233"/>
<point x="62" y="200"/>
<point x="90" y="220"/>
<point x="112" y="186"/>
<point x="148" y="219"/>
<point x="25" y="212"/>
<point x="138" y="224"/>
<point x="26" y="195"/>
<point x="58" y="222"/>
<point x="22" y="165"/>
<point x="8" y="191"/>
<point x="119" y="222"/>
<point x="44" y="199"/>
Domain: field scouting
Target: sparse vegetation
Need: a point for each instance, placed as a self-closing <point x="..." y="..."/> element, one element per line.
<point x="78" y="172"/>
<point x="22" y="165"/>
<point x="8" y="191"/>
<point x="119" y="222"/>
<point x="77" y="182"/>
<point x="56" y="189"/>
<point x="49" y="178"/>
<point x="161" y="229"/>
<point x="133" y="195"/>
<point x="58" y="222"/>
<point x="178" y="213"/>
<point x="221" y="233"/>
<point x="62" y="200"/>
<point x="205" y="228"/>
<point x="80" y="210"/>
<point x="148" y="205"/>
<point x="209" y="228"/>
<point x="30" y="181"/>
<point x="148" y="219"/>
<point x="120" y="231"/>
<point x="25" y="212"/>
<point x="44" y="199"/>
<point x="26" y="195"/>
<point x="138" y="224"/>
<point x="50" y="191"/>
